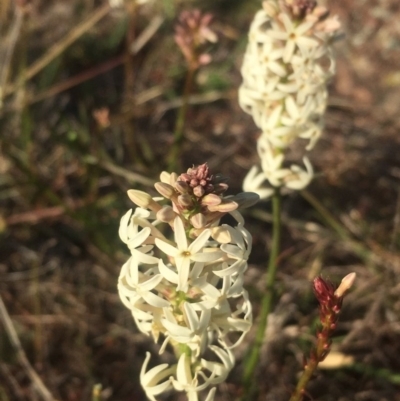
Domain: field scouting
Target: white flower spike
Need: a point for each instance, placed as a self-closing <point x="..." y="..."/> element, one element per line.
<point x="286" y="68"/>
<point x="188" y="288"/>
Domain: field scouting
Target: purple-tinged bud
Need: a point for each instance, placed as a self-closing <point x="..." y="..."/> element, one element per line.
<point x="168" y="178"/>
<point x="324" y="290"/>
<point x="211" y="200"/>
<point x="203" y="171"/>
<point x="221" y="234"/>
<point x="182" y="187"/>
<point x="320" y="12"/>
<point x="194" y="182"/>
<point x="198" y="220"/>
<point x="166" y="190"/>
<point x="166" y="214"/>
<point x="140" y="198"/>
<point x="225" y="207"/>
<point x="271" y="8"/>
<point x="185" y="201"/>
<point x="185" y="177"/>
<point x="198" y="191"/>
<point x="143" y="200"/>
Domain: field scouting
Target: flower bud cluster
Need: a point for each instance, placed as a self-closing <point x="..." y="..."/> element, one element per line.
<point x="188" y="290"/>
<point x="286" y="68"/>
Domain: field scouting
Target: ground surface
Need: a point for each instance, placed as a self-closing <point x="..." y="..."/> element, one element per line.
<point x="63" y="178"/>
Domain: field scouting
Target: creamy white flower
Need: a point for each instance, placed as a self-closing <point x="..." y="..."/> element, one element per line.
<point x="186" y="381"/>
<point x="271" y="158"/>
<point x="129" y="233"/>
<point x="270" y="59"/>
<point x="194" y="333"/>
<point x="156" y="380"/>
<point x="313" y="133"/>
<point x="145" y="317"/>
<point x="253" y="181"/>
<point x="299" y="178"/>
<point x="184" y="253"/>
<point x="286" y="67"/>
<point x="293" y="34"/>
<point x="240" y="246"/>
<point x="225" y="324"/>
<point x="295" y="115"/>
<point x="219" y="371"/>
<point x="215" y="298"/>
<point x="132" y="285"/>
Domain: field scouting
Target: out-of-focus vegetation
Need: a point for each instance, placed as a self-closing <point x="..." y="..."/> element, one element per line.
<point x="89" y="99"/>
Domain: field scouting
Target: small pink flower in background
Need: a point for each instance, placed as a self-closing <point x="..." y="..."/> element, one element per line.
<point x="102" y="117"/>
<point x="192" y="32"/>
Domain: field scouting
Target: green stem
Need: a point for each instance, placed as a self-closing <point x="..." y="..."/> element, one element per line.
<point x="326" y="214"/>
<point x="304" y="379"/>
<point x="180" y="122"/>
<point x="266" y="305"/>
<point x="358" y="247"/>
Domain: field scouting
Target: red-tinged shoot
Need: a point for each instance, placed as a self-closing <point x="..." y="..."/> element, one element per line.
<point x="330" y="301"/>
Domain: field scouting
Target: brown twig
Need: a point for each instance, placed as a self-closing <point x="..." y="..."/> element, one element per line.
<point x="34" y="216"/>
<point x="38" y="384"/>
<point x="15" y="388"/>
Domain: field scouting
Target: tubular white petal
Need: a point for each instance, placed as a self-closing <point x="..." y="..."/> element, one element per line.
<point x="167" y="273"/>
<point x="211" y="394"/>
<point x="235" y="268"/>
<point x="150" y="380"/>
<point x="180" y="235"/>
<point x="151" y="283"/>
<point x="166" y="248"/>
<point x="155" y="300"/>
<point x="207" y="256"/>
<point x="200" y="241"/>
<point x="183" y="274"/>
<point x="123" y="226"/>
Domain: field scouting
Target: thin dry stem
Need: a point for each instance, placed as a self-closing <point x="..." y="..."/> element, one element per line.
<point x="12" y="40"/>
<point x="39" y="386"/>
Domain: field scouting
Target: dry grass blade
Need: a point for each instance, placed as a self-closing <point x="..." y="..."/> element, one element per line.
<point x="60" y="46"/>
<point x="41" y="389"/>
<point x="128" y="175"/>
<point x="84" y="76"/>
<point x="12" y="40"/>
